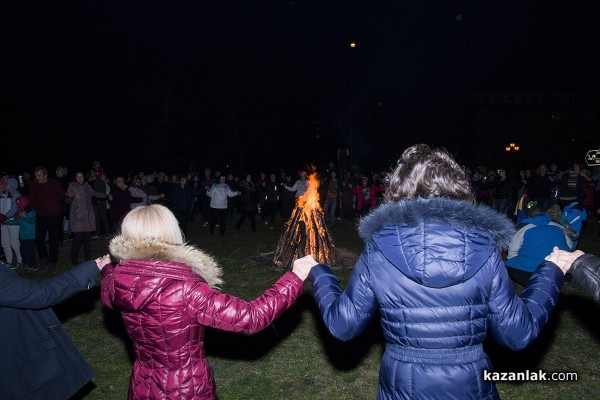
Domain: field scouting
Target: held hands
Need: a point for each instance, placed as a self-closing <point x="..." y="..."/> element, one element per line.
<point x="101" y="262"/>
<point x="302" y="266"/>
<point x="564" y="259"/>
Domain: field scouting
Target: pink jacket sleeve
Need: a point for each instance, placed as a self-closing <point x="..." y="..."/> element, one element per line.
<point x="229" y="313"/>
<point x="107" y="284"/>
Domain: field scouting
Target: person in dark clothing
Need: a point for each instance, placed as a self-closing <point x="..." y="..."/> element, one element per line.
<point x="120" y="200"/>
<point x="39" y="361"/>
<point x="62" y="176"/>
<point x="542" y="188"/>
<point x="232" y="202"/>
<point x="271" y="199"/>
<point x="46" y="197"/>
<point x="585" y="270"/>
<point x="502" y="192"/>
<point x="163" y="186"/>
<point x="287" y="200"/>
<point x="183" y="197"/>
<point x="98" y="183"/>
<point x="247" y="203"/>
<point x="572" y="186"/>
<point x="206" y="182"/>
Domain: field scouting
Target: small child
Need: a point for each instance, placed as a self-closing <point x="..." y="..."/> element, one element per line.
<point x="26" y="222"/>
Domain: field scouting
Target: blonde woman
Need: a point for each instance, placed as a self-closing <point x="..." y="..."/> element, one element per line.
<point x="167" y="293"/>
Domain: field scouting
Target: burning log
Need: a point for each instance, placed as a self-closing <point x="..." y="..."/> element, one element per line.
<point x="306" y="231"/>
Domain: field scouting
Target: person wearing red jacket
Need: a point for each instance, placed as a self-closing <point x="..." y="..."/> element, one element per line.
<point x="365" y="195"/>
<point x="167" y="293"/>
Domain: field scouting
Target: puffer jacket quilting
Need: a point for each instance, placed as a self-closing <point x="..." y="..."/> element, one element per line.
<point x="434" y="271"/>
<point x="166" y="296"/>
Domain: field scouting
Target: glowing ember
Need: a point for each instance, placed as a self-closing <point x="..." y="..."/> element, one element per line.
<point x="306" y="231"/>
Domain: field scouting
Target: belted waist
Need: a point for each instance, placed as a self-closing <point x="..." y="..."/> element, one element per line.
<point x="435" y="356"/>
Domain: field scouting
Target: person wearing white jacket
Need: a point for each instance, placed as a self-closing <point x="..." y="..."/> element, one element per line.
<point x="10" y="230"/>
<point x="218" y="193"/>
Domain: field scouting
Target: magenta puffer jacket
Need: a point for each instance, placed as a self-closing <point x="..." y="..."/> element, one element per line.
<point x="166" y="295"/>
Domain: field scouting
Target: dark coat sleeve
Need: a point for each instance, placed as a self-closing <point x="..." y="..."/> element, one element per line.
<point x="586" y="272"/>
<point x="18" y="292"/>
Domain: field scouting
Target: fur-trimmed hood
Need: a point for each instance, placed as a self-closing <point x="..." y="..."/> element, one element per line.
<point x="201" y="263"/>
<point x="437" y="242"/>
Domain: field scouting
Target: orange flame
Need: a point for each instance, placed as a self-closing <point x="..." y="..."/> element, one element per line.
<point x="309" y="201"/>
<point x="306" y="231"/>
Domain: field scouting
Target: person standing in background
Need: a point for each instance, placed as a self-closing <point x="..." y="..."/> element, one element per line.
<point x="300" y="186"/>
<point x="247" y="191"/>
<point x="120" y="203"/>
<point x="81" y="215"/>
<point x="218" y="194"/>
<point x="27" y="233"/>
<point x="9" y="228"/>
<point x="100" y="184"/>
<point x="331" y="198"/>
<point x="62" y="176"/>
<point x="206" y="182"/>
<point x="271" y="203"/>
<point x="183" y="197"/>
<point x="47" y="197"/>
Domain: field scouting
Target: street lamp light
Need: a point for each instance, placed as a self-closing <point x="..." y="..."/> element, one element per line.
<point x="512" y="147"/>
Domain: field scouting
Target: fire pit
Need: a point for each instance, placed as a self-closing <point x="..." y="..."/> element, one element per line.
<point x="306" y="231"/>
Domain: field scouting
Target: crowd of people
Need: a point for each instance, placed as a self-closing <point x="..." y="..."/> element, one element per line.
<point x="443" y="249"/>
<point x="78" y="207"/>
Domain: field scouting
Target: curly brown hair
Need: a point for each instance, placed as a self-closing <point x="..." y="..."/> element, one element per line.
<point x="423" y="172"/>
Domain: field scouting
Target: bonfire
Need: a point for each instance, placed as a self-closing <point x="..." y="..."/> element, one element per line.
<point x="306" y="231"/>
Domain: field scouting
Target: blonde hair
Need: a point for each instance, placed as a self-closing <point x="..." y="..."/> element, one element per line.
<point x="152" y="222"/>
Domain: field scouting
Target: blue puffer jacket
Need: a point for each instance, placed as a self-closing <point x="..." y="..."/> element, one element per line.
<point x="433" y="269"/>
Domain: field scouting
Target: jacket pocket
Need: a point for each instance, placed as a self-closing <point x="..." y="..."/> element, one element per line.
<point x="40" y="364"/>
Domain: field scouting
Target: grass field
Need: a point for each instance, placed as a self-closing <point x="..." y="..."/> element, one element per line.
<point x="296" y="358"/>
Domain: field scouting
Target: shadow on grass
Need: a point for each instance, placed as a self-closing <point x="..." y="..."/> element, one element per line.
<point x="81" y="303"/>
<point x="240" y="346"/>
<point x="530" y="358"/>
<point x="346" y="356"/>
<point x="506" y="360"/>
<point x="84" y="391"/>
<point x="114" y="324"/>
<point x="584" y="309"/>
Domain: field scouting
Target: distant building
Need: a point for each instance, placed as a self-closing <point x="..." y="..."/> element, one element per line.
<point x="547" y="126"/>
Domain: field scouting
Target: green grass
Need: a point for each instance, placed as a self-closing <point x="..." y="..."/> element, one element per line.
<point x="296" y="358"/>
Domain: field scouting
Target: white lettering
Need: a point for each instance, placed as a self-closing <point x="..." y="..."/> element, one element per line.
<point x="528" y="375"/>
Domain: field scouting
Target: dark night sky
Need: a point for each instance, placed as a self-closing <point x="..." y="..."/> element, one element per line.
<point x="252" y="84"/>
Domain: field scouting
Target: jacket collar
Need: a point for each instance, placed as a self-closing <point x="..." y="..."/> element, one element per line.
<point x="441" y="211"/>
<point x="149" y="249"/>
